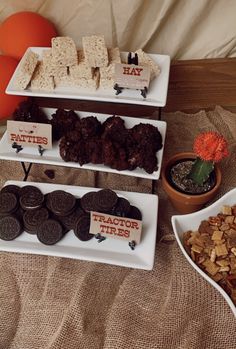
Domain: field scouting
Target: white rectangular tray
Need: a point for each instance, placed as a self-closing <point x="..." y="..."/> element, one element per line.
<point x="156" y="96"/>
<point x="52" y="156"/>
<point x="110" y="251"/>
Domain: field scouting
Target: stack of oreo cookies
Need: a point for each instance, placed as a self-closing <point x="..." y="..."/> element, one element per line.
<point x="10" y="224"/>
<point x="104" y="201"/>
<point x="107" y="201"/>
<point x="51" y="216"/>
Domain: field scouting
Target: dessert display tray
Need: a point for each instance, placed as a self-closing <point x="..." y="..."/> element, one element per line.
<point x="52" y="156"/>
<point x="110" y="251"/>
<point x="156" y="96"/>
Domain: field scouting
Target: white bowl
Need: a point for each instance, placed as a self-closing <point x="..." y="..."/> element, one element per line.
<point x="182" y="223"/>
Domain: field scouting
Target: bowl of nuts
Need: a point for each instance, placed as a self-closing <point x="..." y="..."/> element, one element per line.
<point x="207" y="239"/>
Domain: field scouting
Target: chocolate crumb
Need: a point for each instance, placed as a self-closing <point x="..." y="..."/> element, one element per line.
<point x="50" y="174"/>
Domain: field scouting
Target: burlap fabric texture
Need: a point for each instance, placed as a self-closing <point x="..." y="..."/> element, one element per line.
<point x="52" y="303"/>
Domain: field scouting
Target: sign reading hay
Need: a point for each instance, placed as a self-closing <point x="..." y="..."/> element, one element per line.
<point x="132" y="76"/>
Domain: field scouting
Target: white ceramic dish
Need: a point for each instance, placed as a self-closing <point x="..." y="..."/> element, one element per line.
<point x="110" y="251"/>
<point x="183" y="223"/>
<point x="53" y="157"/>
<point x="156" y="96"/>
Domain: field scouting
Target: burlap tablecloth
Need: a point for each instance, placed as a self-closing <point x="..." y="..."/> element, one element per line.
<point x="49" y="302"/>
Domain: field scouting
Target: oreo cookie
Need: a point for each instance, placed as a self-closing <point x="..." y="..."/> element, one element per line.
<point x="60" y="202"/>
<point x="19" y="214"/>
<point x="88" y="203"/>
<point x="28" y="189"/>
<point x="33" y="218"/>
<point x="121" y="208"/>
<point x="70" y="220"/>
<point x="10" y="228"/>
<point x="134" y="213"/>
<point x="82" y="228"/>
<point x="105" y="200"/>
<point x="8" y="203"/>
<point x="11" y="188"/>
<point x="49" y="232"/>
<point x="31" y="197"/>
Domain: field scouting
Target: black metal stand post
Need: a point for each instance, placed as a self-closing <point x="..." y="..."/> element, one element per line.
<point x="154" y="181"/>
<point x="26" y="170"/>
<point x="159" y="113"/>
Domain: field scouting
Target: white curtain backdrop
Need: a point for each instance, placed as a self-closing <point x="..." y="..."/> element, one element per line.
<point x="184" y="29"/>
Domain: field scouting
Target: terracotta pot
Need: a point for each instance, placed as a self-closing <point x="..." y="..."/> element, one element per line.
<point x="187" y="203"/>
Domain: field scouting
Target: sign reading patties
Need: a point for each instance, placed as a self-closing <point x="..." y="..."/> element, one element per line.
<point x="132" y="76"/>
<point x="29" y="133"/>
<point x="128" y="229"/>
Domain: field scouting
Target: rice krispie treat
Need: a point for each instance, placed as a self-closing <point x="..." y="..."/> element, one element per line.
<point x="50" y="68"/>
<point x="145" y="60"/>
<point x="41" y="80"/>
<point x="82" y="69"/>
<point x="107" y="73"/>
<point x="64" y="51"/>
<point x="95" y="51"/>
<point x="26" y="70"/>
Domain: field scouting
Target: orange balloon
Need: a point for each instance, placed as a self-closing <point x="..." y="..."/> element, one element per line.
<point x="24" y="29"/>
<point x="8" y="103"/>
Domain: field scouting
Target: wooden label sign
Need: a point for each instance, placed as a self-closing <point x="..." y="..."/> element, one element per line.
<point x="128" y="229"/>
<point x="29" y="133"/>
<point x="132" y="76"/>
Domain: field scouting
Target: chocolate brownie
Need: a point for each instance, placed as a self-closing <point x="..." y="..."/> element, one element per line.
<point x="112" y="144"/>
<point x="147" y="134"/>
<point x="90" y="127"/>
<point x="63" y="121"/>
<point x="8" y="203"/>
<point x="10" y="228"/>
<point x="94" y="150"/>
<point x="50" y="232"/>
<point x="29" y="111"/>
<point x="114" y="129"/>
<point x="82" y="228"/>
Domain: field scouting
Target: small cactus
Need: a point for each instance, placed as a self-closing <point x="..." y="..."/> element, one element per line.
<point x="210" y="147"/>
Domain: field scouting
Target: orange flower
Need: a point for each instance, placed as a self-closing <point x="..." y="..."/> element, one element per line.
<point x="210" y="146"/>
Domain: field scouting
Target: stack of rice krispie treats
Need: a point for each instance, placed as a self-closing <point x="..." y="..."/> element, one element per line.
<point x="63" y="65"/>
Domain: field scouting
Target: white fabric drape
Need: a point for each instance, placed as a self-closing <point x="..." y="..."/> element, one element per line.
<point x="184" y="29"/>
